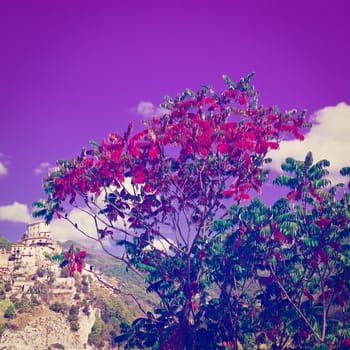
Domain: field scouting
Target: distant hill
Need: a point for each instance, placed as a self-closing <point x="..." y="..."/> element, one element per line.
<point x="129" y="281"/>
<point x="4" y="243"/>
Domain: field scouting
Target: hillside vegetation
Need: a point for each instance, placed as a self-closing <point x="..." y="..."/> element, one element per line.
<point x="4" y="243"/>
<point x="79" y="312"/>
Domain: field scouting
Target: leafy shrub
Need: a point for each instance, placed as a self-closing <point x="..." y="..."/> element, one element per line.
<point x="2" y="294"/>
<point x="8" y="286"/>
<point x="40" y="272"/>
<point x="73" y="318"/>
<point x="10" y="312"/>
<point x="23" y="306"/>
<point x="74" y="325"/>
<point x="58" y="307"/>
<point x="95" y="334"/>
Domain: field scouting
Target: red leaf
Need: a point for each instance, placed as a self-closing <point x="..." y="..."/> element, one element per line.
<point x="340" y="300"/>
<point x="244" y="196"/>
<point x="308" y="294"/>
<point x="209" y="100"/>
<point x="116" y="154"/>
<point x="230" y="93"/>
<point x="194" y="306"/>
<point x="273" y="145"/>
<point x="261" y="147"/>
<point x="243" y="100"/>
<point x="299" y="136"/>
<point x="304" y="333"/>
<point x="148" y="187"/>
<point x="135" y="152"/>
<point x="140" y="177"/>
<point x="79" y="267"/>
<point x="120" y="177"/>
<point x="223" y="148"/>
<point x="228" y="193"/>
<point x="153" y="152"/>
<point x="247" y="159"/>
<point x="203" y="152"/>
<point x="272" y="117"/>
<point x="81" y="255"/>
<point x="323" y="223"/>
<point x="323" y="256"/>
<point x="280" y="236"/>
<point x="346" y="342"/>
<point x="293" y="195"/>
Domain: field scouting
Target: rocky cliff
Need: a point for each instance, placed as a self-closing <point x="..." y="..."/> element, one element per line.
<point x="50" y="330"/>
<point x="42" y="308"/>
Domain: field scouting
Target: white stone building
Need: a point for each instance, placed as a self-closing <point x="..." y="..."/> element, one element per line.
<point x="31" y="249"/>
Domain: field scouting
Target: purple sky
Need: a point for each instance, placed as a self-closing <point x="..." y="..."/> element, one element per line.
<point x="72" y="71"/>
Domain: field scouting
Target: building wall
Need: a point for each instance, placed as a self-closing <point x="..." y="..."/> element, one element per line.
<point x="4" y="258"/>
<point x="31" y="248"/>
<point x="38" y="229"/>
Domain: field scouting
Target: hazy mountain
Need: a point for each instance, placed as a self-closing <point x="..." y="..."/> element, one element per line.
<point x="4" y="243"/>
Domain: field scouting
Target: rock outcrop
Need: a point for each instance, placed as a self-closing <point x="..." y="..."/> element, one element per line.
<point x="50" y="331"/>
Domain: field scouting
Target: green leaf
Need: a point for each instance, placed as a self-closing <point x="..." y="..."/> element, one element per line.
<point x="168" y="99"/>
<point x="39" y="213"/>
<point x="229" y="82"/>
<point x="63" y="263"/>
<point x="146" y="267"/>
<point x="190" y="92"/>
<point x="94" y="143"/>
<point x="345" y="171"/>
<point x="310" y="242"/>
<point x="273" y="261"/>
<point x="321" y="347"/>
<point x="308" y="160"/>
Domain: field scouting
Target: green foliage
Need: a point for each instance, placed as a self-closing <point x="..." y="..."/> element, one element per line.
<point x="73" y="318"/>
<point x="10" y="312"/>
<point x="278" y="274"/>
<point x="4" y="243"/>
<point x="2" y="294"/>
<point x="58" y="307"/>
<point x="7" y="286"/>
<point x="174" y="199"/>
<point x="23" y="305"/>
<point x="95" y="336"/>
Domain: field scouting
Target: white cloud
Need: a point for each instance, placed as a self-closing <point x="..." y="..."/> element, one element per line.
<point x="42" y="168"/>
<point x="328" y="139"/>
<point x="162" y="244"/>
<point x="16" y="212"/>
<point x="148" y="110"/>
<point x="3" y="169"/>
<point x="62" y="230"/>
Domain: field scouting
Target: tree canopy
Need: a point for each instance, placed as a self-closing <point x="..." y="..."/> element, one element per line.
<point x="175" y="198"/>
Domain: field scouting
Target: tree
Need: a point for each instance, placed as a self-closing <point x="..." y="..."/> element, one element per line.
<point x="299" y="260"/>
<point x="158" y="192"/>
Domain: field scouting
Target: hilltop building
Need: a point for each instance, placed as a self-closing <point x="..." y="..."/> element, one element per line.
<point x="31" y="249"/>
